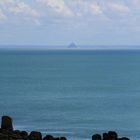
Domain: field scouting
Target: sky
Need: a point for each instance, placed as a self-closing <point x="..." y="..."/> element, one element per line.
<point x="60" y="22"/>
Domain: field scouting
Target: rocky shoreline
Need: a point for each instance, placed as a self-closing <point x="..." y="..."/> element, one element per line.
<point x="7" y="132"/>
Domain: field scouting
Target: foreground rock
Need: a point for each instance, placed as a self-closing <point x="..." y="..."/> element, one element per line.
<point x="35" y="135"/>
<point x="8" y="133"/>
<point x="111" y="135"/>
<point x="6" y="123"/>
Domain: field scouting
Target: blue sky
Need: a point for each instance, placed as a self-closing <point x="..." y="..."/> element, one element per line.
<point x="60" y="22"/>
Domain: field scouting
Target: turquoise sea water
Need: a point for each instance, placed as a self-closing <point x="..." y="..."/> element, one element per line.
<point x="72" y="93"/>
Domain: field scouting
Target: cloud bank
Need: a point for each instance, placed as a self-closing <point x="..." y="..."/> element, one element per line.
<point x="69" y="20"/>
<point x="9" y="9"/>
<point x="68" y="9"/>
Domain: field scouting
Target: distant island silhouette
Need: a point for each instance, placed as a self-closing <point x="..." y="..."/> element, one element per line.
<point x="72" y="46"/>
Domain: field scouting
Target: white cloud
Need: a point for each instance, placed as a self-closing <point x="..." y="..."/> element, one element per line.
<point x="85" y="8"/>
<point x="96" y="9"/>
<point x="24" y="9"/>
<point x="3" y="2"/>
<point x="2" y="15"/>
<point x="136" y="2"/>
<point x="119" y="8"/>
<point x="75" y="9"/>
<point x="13" y="8"/>
<point x="58" y="6"/>
<point x="79" y="7"/>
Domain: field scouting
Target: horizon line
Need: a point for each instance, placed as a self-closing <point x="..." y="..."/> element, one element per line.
<point x="68" y="49"/>
<point x="69" y="44"/>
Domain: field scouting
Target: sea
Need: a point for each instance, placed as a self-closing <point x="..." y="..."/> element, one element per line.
<point x="72" y="93"/>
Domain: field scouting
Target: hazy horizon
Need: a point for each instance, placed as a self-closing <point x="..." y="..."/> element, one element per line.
<point x="66" y="47"/>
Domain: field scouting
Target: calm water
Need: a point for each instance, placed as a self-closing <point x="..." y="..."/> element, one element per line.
<point x="72" y="93"/>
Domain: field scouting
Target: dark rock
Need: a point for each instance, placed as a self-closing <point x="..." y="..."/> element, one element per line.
<point x="96" y="137"/>
<point x="124" y="138"/>
<point x="112" y="135"/>
<point x="17" y="132"/>
<point x="56" y="139"/>
<point x="63" y="138"/>
<point x="0" y="130"/>
<point x="14" y="136"/>
<point x="105" y="136"/>
<point x="6" y="123"/>
<point x="24" y="135"/>
<point x="3" y="137"/>
<point x="48" y="137"/>
<point x="19" y="135"/>
<point x="6" y="132"/>
<point x="34" y="135"/>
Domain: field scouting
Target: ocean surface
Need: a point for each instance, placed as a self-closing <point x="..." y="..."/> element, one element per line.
<point x="72" y="93"/>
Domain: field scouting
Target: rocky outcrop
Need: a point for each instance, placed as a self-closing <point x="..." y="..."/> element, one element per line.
<point x="96" y="137"/>
<point x="111" y="135"/>
<point x="8" y="133"/>
<point x="34" y="135"/>
<point x="7" y="123"/>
